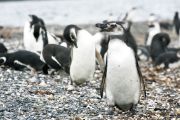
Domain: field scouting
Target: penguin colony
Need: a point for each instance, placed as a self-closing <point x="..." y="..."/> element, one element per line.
<point x="76" y="52"/>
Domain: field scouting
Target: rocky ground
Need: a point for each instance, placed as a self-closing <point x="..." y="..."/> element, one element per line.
<point x="24" y="96"/>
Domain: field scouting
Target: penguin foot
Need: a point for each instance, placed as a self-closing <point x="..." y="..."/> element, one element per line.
<point x="133" y="109"/>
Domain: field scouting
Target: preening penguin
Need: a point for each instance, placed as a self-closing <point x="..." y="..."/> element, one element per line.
<point x="122" y="76"/>
<point x="167" y="58"/>
<point x="36" y="36"/>
<point x="57" y="57"/>
<point x="3" y="49"/>
<point x="82" y="66"/>
<point x="159" y="45"/>
<point x="22" y="59"/>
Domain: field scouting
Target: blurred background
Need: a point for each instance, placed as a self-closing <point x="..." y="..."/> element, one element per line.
<point x="63" y="12"/>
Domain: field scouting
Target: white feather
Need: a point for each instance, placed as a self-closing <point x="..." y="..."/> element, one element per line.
<point x="42" y="58"/>
<point x="53" y="58"/>
<point x="30" y="42"/>
<point x="83" y="60"/>
<point x="152" y="32"/>
<point x="122" y="80"/>
<point x="64" y="44"/>
<point x="52" y="39"/>
<point x="20" y="63"/>
<point x="98" y="38"/>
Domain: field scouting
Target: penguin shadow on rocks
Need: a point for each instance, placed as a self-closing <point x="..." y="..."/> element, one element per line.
<point x="83" y="54"/>
<point x="122" y="79"/>
<point x="21" y="60"/>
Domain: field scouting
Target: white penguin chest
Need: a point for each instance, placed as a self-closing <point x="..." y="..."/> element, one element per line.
<point x="122" y="80"/>
<point x="83" y="57"/>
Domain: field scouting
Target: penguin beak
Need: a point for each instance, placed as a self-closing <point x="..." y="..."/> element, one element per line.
<point x="75" y="44"/>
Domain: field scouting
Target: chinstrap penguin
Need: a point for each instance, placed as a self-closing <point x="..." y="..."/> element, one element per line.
<point x="122" y="76"/>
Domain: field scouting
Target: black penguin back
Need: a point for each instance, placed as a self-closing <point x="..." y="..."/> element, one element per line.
<point x="60" y="53"/>
<point x="167" y="58"/>
<point x="29" y="58"/>
<point x="3" y="49"/>
<point x="159" y="44"/>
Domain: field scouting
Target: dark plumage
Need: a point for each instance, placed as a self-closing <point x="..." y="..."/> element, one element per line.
<point x="36" y="20"/>
<point x="70" y="35"/>
<point x="57" y="57"/>
<point x="159" y="44"/>
<point x="176" y="22"/>
<point x="166" y="58"/>
<point x="22" y="59"/>
<point x="3" y="49"/>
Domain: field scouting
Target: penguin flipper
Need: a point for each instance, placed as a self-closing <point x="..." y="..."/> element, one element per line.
<point x="102" y="86"/>
<point x="141" y="77"/>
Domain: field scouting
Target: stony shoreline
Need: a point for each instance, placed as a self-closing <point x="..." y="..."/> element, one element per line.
<point x="23" y="96"/>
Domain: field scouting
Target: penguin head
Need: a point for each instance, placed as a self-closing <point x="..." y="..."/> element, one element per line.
<point x="165" y="39"/>
<point x="70" y="34"/>
<point x="40" y="30"/>
<point x="2" y="60"/>
<point x="176" y="15"/>
<point x="33" y="19"/>
<point x="118" y="27"/>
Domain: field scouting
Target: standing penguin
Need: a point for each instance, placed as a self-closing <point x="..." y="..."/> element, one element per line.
<point x="23" y="59"/>
<point x="57" y="57"/>
<point x="82" y="66"/>
<point x="122" y="76"/>
<point x="176" y="22"/>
